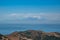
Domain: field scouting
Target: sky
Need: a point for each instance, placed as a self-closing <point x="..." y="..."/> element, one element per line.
<point x="30" y="11"/>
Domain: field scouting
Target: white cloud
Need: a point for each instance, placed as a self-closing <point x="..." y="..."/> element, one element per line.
<point x="13" y="14"/>
<point x="22" y="16"/>
<point x="30" y="17"/>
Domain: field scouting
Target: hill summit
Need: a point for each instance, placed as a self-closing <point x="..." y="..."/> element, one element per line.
<point x="32" y="35"/>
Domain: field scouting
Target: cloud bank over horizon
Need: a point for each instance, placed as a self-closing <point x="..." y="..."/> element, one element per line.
<point x="30" y="18"/>
<point x="30" y="11"/>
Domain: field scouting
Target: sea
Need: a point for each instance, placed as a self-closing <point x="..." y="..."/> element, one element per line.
<point x="9" y="28"/>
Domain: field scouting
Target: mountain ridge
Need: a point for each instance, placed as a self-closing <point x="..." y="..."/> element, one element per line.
<point x="33" y="35"/>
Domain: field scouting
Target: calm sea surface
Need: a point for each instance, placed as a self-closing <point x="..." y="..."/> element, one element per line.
<point x="8" y="28"/>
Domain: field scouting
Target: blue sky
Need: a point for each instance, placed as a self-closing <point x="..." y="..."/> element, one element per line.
<point x="30" y="11"/>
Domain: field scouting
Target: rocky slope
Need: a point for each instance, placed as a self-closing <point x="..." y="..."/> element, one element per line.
<point x="33" y="35"/>
<point x="1" y="36"/>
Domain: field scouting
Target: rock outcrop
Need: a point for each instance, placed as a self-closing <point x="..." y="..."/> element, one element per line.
<point x="34" y="35"/>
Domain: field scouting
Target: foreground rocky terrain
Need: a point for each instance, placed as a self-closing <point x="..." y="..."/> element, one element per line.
<point x="31" y="35"/>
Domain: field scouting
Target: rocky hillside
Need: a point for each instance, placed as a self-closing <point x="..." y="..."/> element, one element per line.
<point x="1" y="36"/>
<point x="33" y="35"/>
